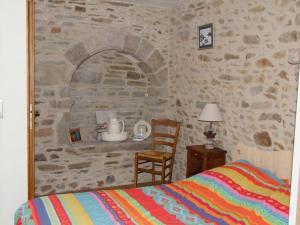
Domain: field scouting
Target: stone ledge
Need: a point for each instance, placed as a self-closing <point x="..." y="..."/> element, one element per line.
<point x="101" y="146"/>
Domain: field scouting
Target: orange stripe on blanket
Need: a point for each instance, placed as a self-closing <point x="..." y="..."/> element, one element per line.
<point x="257" y="172"/>
<point x="204" y="205"/>
<point x="150" y="205"/>
<point x="224" y="205"/>
<point x="254" y="180"/>
<point x="34" y="213"/>
<point x="60" y="211"/>
<point x="133" y="212"/>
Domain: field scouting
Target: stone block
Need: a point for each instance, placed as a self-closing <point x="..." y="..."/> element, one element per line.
<point x="136" y="83"/>
<point x="40" y="158"/>
<point x="114" y="82"/>
<point x="270" y="116"/>
<point x="76" y="54"/>
<point x="50" y="167"/>
<point x="49" y="93"/>
<point x="122" y="67"/>
<point x="51" y="74"/>
<point x="144" y="50"/>
<point x="46" y="188"/>
<point x="287" y="37"/>
<point x="145" y="67"/>
<point x="120" y="4"/>
<point x="44" y="132"/>
<point x="101" y="20"/>
<point x="80" y="8"/>
<point x="263" y="139"/>
<point x="229" y="56"/>
<point x="81" y="165"/>
<point x="257" y="9"/>
<point x="113" y="155"/>
<point x="55" y="150"/>
<point x="110" y="179"/>
<point x="157" y="92"/>
<point x="154" y="101"/>
<point x="156" y="61"/>
<point x="138" y="94"/>
<point x="73" y="185"/>
<point x="133" y="75"/>
<point x="264" y="63"/>
<point x="83" y="76"/>
<point x="251" y="39"/>
<point x="244" y="104"/>
<point x="47" y="122"/>
<point x="55" y="30"/>
<point x="54" y="156"/>
<point x="131" y="43"/>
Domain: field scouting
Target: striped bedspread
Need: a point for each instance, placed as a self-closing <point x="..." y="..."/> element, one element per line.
<point x="237" y="193"/>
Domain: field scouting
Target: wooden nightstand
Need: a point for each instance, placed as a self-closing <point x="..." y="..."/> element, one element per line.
<point x="200" y="159"/>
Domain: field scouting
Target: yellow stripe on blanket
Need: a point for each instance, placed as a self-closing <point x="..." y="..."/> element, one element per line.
<point x="75" y="210"/>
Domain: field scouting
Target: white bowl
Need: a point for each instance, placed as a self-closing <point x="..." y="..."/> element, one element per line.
<point x="142" y="129"/>
<point x="122" y="136"/>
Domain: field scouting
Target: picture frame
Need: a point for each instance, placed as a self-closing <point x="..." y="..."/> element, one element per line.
<point x="205" y="36"/>
<point x="75" y="135"/>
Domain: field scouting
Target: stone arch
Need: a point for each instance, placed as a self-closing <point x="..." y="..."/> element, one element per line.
<point x="151" y="59"/>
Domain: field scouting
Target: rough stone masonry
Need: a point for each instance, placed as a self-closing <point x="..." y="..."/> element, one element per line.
<point x="247" y="72"/>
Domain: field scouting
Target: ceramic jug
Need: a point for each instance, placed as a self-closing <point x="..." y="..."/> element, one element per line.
<point x="114" y="126"/>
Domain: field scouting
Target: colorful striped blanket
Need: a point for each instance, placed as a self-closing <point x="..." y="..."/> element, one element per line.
<point x="237" y="193"/>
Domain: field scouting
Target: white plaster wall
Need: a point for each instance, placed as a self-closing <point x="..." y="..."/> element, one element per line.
<point x="13" y="150"/>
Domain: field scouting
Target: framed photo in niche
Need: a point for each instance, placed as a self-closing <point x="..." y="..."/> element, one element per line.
<point x="75" y="135"/>
<point x="205" y="36"/>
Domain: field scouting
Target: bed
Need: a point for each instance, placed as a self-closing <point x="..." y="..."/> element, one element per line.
<point x="237" y="193"/>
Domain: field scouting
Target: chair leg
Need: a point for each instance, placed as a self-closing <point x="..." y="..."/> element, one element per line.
<point x="153" y="175"/>
<point x="163" y="170"/>
<point x="171" y="170"/>
<point x="136" y="174"/>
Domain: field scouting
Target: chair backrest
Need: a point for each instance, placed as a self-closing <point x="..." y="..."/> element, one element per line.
<point x="168" y="136"/>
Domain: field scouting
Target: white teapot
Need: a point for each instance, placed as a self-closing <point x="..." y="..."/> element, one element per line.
<point x="114" y="126"/>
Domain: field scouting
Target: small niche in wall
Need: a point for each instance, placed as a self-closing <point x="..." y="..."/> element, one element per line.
<point x="108" y="80"/>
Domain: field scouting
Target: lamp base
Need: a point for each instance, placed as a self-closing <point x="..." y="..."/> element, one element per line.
<point x="210" y="135"/>
<point x="209" y="144"/>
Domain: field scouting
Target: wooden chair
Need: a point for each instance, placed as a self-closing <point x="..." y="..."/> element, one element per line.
<point x="159" y="156"/>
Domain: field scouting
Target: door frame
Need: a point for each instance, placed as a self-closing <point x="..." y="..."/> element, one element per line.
<point x="30" y="97"/>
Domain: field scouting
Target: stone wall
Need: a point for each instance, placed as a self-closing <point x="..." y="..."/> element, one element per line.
<point x="68" y="35"/>
<point x="247" y="72"/>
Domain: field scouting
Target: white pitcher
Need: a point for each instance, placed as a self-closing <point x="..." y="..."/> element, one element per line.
<point x="114" y="126"/>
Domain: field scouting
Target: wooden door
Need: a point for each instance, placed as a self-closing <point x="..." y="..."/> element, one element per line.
<point x="30" y="98"/>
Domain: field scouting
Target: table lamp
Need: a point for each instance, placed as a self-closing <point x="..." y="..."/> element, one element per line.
<point x="210" y="113"/>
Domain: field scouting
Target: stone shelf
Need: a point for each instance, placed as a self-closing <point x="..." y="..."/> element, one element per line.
<point x="104" y="146"/>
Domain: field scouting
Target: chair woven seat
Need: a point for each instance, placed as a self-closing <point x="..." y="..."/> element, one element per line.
<point x="154" y="158"/>
<point x="155" y="154"/>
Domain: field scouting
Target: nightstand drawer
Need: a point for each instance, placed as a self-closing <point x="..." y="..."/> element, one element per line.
<point x="215" y="162"/>
<point x="200" y="159"/>
<point x="196" y="155"/>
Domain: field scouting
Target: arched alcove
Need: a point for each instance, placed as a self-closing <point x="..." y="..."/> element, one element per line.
<point x="119" y="71"/>
<point x="108" y="80"/>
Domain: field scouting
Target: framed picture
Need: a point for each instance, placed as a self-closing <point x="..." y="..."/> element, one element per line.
<point x="75" y="135"/>
<point x="205" y="36"/>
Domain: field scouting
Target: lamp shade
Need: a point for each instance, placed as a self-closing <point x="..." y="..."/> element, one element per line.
<point x="210" y="113"/>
